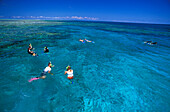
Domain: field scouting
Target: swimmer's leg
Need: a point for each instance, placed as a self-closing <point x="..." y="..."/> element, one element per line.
<point x="51" y="73"/>
<point x="42" y="77"/>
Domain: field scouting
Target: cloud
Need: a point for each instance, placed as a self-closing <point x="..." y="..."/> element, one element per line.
<point x="56" y="18"/>
<point x="84" y="18"/>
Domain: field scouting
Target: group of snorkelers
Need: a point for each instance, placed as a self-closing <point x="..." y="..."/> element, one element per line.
<point x="150" y="42"/>
<point x="85" y="40"/>
<point x="68" y="71"/>
<point x="30" y="50"/>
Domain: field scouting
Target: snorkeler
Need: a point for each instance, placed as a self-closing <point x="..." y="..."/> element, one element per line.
<point x="69" y="72"/>
<point x="43" y="74"/>
<point x="47" y="69"/>
<point x="46" y="50"/>
<point x="30" y="50"/>
<point x="150" y="42"/>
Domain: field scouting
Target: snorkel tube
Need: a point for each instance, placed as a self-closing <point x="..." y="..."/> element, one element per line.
<point x="67" y="67"/>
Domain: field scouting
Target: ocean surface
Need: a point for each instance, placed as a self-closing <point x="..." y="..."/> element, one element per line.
<point x="115" y="73"/>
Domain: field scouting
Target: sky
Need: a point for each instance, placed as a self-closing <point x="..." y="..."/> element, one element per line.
<point x="140" y="11"/>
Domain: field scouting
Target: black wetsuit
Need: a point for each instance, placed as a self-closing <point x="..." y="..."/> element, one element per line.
<point x="154" y="43"/>
<point x="29" y="51"/>
<point x="46" y="50"/>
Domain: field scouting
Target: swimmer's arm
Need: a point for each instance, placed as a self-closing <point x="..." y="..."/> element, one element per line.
<point x="50" y="73"/>
<point x="65" y="72"/>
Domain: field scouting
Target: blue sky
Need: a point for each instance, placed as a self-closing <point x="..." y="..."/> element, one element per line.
<point x="145" y="11"/>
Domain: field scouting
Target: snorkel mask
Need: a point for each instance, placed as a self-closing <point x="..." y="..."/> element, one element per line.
<point x="51" y="64"/>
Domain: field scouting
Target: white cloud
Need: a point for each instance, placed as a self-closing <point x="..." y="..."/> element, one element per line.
<point x="84" y="18"/>
<point x="57" y="17"/>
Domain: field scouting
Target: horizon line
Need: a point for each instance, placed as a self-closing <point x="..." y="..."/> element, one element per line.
<point x="74" y="18"/>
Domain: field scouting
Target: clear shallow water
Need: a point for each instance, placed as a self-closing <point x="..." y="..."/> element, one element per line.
<point x="116" y="73"/>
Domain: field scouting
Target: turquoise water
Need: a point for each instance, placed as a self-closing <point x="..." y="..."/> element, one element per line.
<point x="116" y="73"/>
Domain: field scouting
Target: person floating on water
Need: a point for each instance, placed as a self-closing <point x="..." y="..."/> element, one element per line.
<point x="150" y="42"/>
<point x="46" y="50"/>
<point x="30" y="50"/>
<point x="47" y="69"/>
<point x="69" y="72"/>
<point x="81" y="40"/>
<point x="43" y="74"/>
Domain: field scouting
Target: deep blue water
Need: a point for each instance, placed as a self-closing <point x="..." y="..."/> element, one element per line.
<point x="116" y="73"/>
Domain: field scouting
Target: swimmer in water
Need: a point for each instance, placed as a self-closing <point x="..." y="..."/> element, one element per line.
<point x="46" y="50"/>
<point x="47" y="69"/>
<point x="150" y="42"/>
<point x="69" y="72"/>
<point x="43" y="74"/>
<point x="30" y="51"/>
